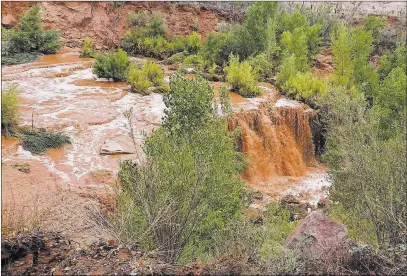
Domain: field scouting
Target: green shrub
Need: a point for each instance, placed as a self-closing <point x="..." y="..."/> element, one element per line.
<point x="138" y="81"/>
<point x="193" y="43"/>
<point x="356" y="147"/>
<point x="390" y="102"/>
<point x="344" y="65"/>
<point x="241" y="77"/>
<point x="18" y="58"/>
<point x="38" y="141"/>
<point x="216" y="48"/>
<point x="156" y="26"/>
<point x="287" y="69"/>
<point x="225" y="101"/>
<point x="141" y="79"/>
<point x="195" y="25"/>
<point x="29" y="36"/>
<point x="155" y="47"/>
<point x="374" y="23"/>
<point x="296" y="43"/>
<point x="149" y="40"/>
<point x="137" y="19"/>
<point x="305" y="86"/>
<point x="256" y="249"/>
<point x="88" y="49"/>
<point x="113" y="66"/>
<point x="261" y="66"/>
<point x="394" y="59"/>
<point x="195" y="61"/>
<point x="189" y="187"/>
<point x="189" y="110"/>
<point x="9" y="102"/>
<point x="176" y="58"/>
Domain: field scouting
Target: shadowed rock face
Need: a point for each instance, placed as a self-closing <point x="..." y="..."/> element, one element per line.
<point x="319" y="238"/>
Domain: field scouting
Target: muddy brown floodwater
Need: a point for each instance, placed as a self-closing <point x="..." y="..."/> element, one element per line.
<point x="60" y="92"/>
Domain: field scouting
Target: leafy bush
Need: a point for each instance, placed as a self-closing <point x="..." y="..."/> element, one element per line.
<point x="374" y="23"/>
<point x="18" y="58"/>
<point x="155" y="47"/>
<point x="256" y="249"/>
<point x="156" y="26"/>
<point x="216" y="48"/>
<point x="88" y="49"/>
<point x="193" y="43"/>
<point x="195" y="61"/>
<point x="138" y="19"/>
<point x="9" y="102"/>
<point x="390" y="102"/>
<point x="113" y="66"/>
<point x="287" y="69"/>
<point x="241" y="77"/>
<point x="195" y="25"/>
<point x="262" y="66"/>
<point x="148" y="39"/>
<point x="151" y="40"/>
<point x="225" y="101"/>
<point x="38" y="141"/>
<point x="176" y="58"/>
<point x="29" y="36"/>
<point x="356" y="147"/>
<point x="188" y="110"/>
<point x="344" y="65"/>
<point x="189" y="187"/>
<point x="141" y="79"/>
<point x="392" y="60"/>
<point x="296" y="43"/>
<point x="305" y="86"/>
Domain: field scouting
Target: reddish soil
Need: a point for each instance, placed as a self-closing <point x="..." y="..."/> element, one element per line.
<point x="106" y="24"/>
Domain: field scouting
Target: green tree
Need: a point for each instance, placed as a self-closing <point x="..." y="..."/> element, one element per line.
<point x="189" y="104"/>
<point x="29" y="36"/>
<point x="344" y="65"/>
<point x="287" y="69"/>
<point x="188" y="188"/>
<point x="296" y="43"/>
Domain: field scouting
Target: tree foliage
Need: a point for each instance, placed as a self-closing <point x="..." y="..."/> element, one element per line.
<point x="113" y="66"/>
<point x="29" y="36"/>
<point x="241" y="77"/>
<point x="188" y="188"/>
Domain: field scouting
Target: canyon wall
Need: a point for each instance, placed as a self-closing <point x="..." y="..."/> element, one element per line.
<point x="107" y="24"/>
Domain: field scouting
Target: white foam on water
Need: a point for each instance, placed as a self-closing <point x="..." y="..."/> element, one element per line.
<point x="284" y="102"/>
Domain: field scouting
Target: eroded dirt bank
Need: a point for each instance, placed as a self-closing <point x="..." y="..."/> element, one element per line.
<point x="106" y="24"/>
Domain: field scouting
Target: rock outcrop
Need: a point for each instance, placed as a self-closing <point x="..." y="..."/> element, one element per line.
<point x="319" y="238"/>
<point x="120" y="144"/>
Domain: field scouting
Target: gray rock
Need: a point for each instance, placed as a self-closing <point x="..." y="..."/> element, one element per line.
<point x="120" y="144"/>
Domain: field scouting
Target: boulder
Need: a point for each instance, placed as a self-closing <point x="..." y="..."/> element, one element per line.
<point x="319" y="238"/>
<point x="120" y="144"/>
<point x="8" y="20"/>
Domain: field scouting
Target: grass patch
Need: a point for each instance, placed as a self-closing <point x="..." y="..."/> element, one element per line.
<point x="37" y="141"/>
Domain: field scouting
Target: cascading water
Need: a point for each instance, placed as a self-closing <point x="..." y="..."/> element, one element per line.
<point x="276" y="139"/>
